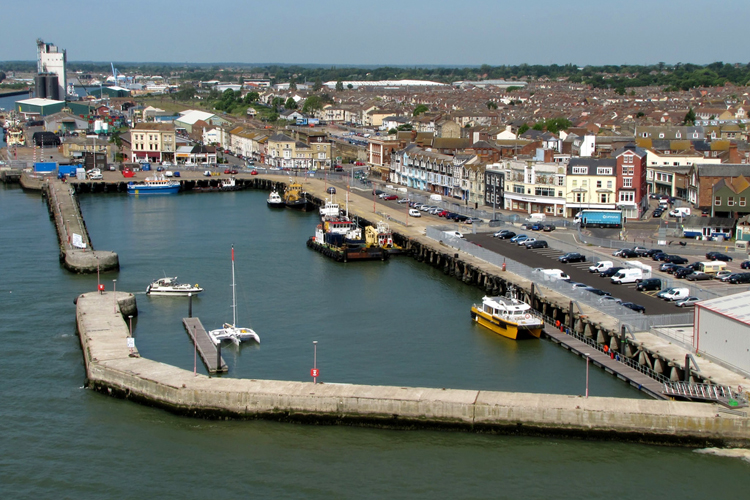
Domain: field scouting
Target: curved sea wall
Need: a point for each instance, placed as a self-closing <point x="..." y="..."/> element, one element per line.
<point x="112" y="367"/>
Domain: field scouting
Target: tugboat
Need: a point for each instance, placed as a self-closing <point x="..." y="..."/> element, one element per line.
<point x="381" y="236"/>
<point x="274" y="200"/>
<point x="507" y="317"/>
<point x="294" y="196"/>
<point x="340" y="239"/>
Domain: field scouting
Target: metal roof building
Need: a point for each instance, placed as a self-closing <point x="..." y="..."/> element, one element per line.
<point x="722" y="330"/>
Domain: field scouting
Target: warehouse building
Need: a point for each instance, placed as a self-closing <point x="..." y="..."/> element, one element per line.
<point x="45" y="107"/>
<point x="722" y="330"/>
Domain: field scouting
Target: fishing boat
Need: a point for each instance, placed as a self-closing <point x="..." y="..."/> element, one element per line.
<point x="154" y="185"/>
<point x="228" y="184"/>
<point x="170" y="286"/>
<point x="274" y="200"/>
<point x="381" y="236"/>
<point x="508" y="317"/>
<point x="232" y="332"/>
<point x="294" y="196"/>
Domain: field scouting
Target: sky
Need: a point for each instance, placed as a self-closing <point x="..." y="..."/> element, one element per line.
<point x="381" y="32"/>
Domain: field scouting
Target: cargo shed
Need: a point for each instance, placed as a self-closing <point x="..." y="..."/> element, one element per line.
<point x="722" y="330"/>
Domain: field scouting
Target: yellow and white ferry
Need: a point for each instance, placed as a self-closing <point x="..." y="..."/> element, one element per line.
<point x="508" y="317"/>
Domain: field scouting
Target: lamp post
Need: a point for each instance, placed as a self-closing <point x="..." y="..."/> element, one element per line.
<point x="315" y="362"/>
<point x="114" y="295"/>
<point x="587" y="375"/>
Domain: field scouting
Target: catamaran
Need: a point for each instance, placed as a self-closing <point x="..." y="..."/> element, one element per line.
<point x="231" y="331"/>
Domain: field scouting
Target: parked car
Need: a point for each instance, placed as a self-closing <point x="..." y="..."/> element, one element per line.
<point x="537" y="227"/>
<point x="642" y="252"/>
<point x="548" y="228"/>
<point x="687" y="302"/>
<point x="168" y="173"/>
<point x="537" y="244"/>
<point x="525" y="241"/>
<point x="596" y="291"/>
<point x="677" y="269"/>
<point x="635" y="307"/>
<point x="230" y="171"/>
<point x="331" y="190"/>
<point x="207" y="173"/>
<point x="254" y="172"/>
<point x="455" y="234"/>
<point x="649" y="284"/>
<point x="176" y="173"/>
<point x="473" y="220"/>
<point x="739" y="278"/>
<point x="403" y="200"/>
<point x="572" y="257"/>
<point x="505" y="234"/>
<point x="576" y="285"/>
<point x="390" y="197"/>
<point x="675" y="259"/>
<point x="698" y="276"/>
<point x="710" y="255"/>
<point x="413" y="212"/>
<point x="723" y="274"/>
<point x="518" y="237"/>
<point x="676" y="294"/>
<point x="683" y="272"/>
<point x="659" y="256"/>
<point x="665" y="267"/>
<point x="652" y="252"/>
<point x="460" y="218"/>
<point x="745" y="264"/>
<point x="722" y="257"/>
<point x="158" y="169"/>
<point x="608" y="273"/>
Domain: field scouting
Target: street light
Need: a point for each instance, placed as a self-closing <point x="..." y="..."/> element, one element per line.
<point x="587" y="374"/>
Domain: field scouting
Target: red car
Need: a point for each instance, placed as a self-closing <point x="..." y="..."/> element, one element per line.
<point x="126" y="172"/>
<point x="443" y="213"/>
<point x="390" y="197"/>
<point x="254" y="172"/>
<point x="230" y="171"/>
<point x="359" y="163"/>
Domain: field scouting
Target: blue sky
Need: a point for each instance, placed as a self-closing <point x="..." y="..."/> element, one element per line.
<point x="380" y="32"/>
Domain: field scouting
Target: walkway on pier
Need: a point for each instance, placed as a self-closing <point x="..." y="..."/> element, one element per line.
<point x="210" y="352"/>
<point x="620" y="366"/>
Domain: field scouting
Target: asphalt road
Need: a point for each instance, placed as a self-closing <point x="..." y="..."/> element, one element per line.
<point x="547" y="258"/>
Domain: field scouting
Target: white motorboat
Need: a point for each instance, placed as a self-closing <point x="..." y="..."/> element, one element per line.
<point x="170" y="286"/>
<point x="330" y="209"/>
<point x="232" y="332"/>
<point x="275" y="201"/>
<point x="228" y="184"/>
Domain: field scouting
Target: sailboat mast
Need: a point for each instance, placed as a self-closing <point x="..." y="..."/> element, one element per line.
<point x="234" y="297"/>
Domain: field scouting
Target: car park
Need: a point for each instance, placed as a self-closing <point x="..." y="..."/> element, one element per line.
<point x="537" y="244"/>
<point x="675" y="259"/>
<point x="687" y="302"/>
<point x="572" y="257"/>
<point x="649" y="284"/>
<point x="698" y="276"/>
<point x="635" y="307"/>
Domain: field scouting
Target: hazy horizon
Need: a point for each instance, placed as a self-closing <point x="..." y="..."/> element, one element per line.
<point x="386" y="33"/>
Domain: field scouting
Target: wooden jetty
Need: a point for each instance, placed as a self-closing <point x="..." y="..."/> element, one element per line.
<point x="615" y="365"/>
<point x="210" y="352"/>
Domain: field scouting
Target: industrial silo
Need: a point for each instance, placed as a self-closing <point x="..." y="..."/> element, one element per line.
<point x="53" y="88"/>
<point x="40" y="86"/>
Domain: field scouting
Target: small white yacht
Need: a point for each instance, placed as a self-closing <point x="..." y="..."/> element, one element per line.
<point x="170" y="286"/>
<point x="274" y="200"/>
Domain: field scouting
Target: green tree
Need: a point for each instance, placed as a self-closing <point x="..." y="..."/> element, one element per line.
<point x="277" y="102"/>
<point x="293" y="84"/>
<point x="392" y="131"/>
<point x="339" y="85"/>
<point x="491" y="105"/>
<point x="240" y="80"/>
<point x="317" y="85"/>
<point x="2" y="76"/>
<point x="312" y="103"/>
<point x="421" y="108"/>
<point x="523" y="128"/>
<point x="689" y="117"/>
<point x="405" y="126"/>
<point x="349" y="86"/>
<point x="620" y="90"/>
<point x="251" y="97"/>
<point x="290" y="104"/>
<point x="539" y="126"/>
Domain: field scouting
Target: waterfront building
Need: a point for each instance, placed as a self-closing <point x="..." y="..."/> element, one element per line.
<point x="286" y="152"/>
<point x="535" y="186"/>
<point x="153" y="142"/>
<point x="590" y="184"/>
<point x="632" y="189"/>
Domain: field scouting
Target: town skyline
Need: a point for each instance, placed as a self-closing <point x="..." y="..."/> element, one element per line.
<point x="389" y="33"/>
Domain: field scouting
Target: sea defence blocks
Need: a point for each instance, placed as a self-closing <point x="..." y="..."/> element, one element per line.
<point x="111" y="367"/>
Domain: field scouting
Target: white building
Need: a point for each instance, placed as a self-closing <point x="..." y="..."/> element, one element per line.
<point x="51" y="59"/>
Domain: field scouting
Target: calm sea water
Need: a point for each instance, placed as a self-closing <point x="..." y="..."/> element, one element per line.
<point x="398" y="323"/>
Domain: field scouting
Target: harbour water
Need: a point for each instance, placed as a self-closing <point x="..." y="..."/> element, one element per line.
<point x="396" y="323"/>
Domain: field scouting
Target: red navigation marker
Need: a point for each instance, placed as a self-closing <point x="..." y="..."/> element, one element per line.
<point x="314" y="372"/>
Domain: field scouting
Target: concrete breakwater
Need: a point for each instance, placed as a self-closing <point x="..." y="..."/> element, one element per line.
<point x="76" y="256"/>
<point x="113" y="368"/>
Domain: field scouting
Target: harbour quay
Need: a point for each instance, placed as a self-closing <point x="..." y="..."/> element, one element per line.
<point x="114" y="367"/>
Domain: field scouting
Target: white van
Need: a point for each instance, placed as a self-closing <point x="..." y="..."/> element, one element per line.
<point x="536" y="218"/>
<point x="627" y="276"/>
<point x="601" y="266"/>
<point x="677" y="294"/>
<point x="680" y="212"/>
<point x="712" y="267"/>
<point x="436" y="197"/>
<point x="454" y="234"/>
<point x="554" y="274"/>
<point x="413" y="212"/>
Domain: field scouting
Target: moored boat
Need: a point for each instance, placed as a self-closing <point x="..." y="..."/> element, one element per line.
<point x="294" y="196"/>
<point x="330" y="209"/>
<point x="154" y="185"/>
<point x="341" y="239"/>
<point x="381" y="236"/>
<point x="274" y="200"/>
<point x="228" y="184"/>
<point x="170" y="286"/>
<point x="508" y="317"/>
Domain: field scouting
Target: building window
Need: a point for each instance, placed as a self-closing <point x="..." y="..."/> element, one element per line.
<point x="584" y="183"/>
<point x="730" y="201"/>
<point x="598" y="184"/>
<point x="575" y="183"/>
<point x="603" y="198"/>
<point x="561" y="181"/>
<point x="742" y="201"/>
<point x="627" y="196"/>
<point x="627" y="159"/>
<point x="540" y="191"/>
<point x="580" y="170"/>
<point x="627" y="182"/>
<point x="609" y="184"/>
<point x="627" y="170"/>
<point x="579" y="197"/>
<point x="559" y="194"/>
<point x="717" y="201"/>
<point x="603" y="171"/>
<point x="518" y="188"/>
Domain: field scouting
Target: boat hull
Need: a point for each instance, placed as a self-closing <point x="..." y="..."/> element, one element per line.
<point x="303" y="205"/>
<point x="138" y="189"/>
<point x="275" y="204"/>
<point x="347" y="254"/>
<point x="175" y="293"/>
<point x="504" y="328"/>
